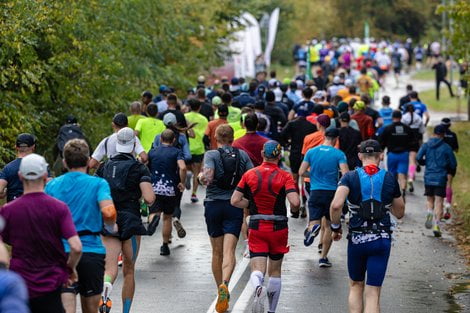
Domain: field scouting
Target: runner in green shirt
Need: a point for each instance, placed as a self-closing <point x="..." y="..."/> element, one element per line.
<point x="196" y="144"/>
<point x="234" y="113"/>
<point x="149" y="127"/>
<point x="135" y="114"/>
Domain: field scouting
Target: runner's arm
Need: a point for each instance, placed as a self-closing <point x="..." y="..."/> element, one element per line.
<point x="108" y="211"/>
<point x="398" y="207"/>
<point x="294" y="201"/>
<point x="303" y="170"/>
<point x="338" y="203"/>
<point x="3" y="186"/>
<point x="74" y="256"/>
<point x="182" y="173"/>
<point x="147" y="192"/>
<point x="238" y="200"/>
<point x="428" y="118"/>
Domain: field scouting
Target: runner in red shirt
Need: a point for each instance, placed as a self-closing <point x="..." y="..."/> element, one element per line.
<point x="263" y="190"/>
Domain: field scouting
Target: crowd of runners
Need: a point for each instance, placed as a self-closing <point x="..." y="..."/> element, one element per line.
<point x="255" y="145"/>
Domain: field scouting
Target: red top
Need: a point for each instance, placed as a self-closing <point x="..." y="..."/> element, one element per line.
<point x="252" y="144"/>
<point x="266" y="187"/>
<point x="366" y="124"/>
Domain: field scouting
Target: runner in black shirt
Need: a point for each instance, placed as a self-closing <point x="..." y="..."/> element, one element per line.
<point x="349" y="140"/>
<point x="172" y="107"/>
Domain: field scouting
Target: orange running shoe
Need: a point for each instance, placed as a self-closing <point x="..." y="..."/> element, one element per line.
<point x="222" y="299"/>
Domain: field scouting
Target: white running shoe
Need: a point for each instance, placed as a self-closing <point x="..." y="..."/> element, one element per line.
<point x="259" y="300"/>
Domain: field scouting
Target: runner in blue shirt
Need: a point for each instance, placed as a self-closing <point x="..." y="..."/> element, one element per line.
<point x="420" y="108"/>
<point x="324" y="161"/>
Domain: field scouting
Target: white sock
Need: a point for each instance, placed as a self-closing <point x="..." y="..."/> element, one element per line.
<point x="274" y="291"/>
<point x="107" y="288"/>
<point x="256" y="278"/>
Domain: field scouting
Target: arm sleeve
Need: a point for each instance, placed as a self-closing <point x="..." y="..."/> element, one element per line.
<point x="99" y="152"/>
<point x="138" y="126"/>
<point x="396" y="187"/>
<point x="241" y="184"/>
<point x="138" y="146"/>
<point x="209" y="161"/>
<point x="180" y="155"/>
<point x="290" y="184"/>
<point x="246" y="160"/>
<point x="421" y="154"/>
<point x="144" y="174"/>
<point x="342" y="158"/>
<point x="346" y="180"/>
<point x="67" y="226"/>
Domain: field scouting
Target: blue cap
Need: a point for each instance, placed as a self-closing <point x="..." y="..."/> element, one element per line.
<point x="163" y="88"/>
<point x="272" y="149"/>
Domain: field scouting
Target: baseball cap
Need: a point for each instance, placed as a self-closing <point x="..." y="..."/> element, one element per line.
<point x="319" y="94"/>
<point x="440" y="129"/>
<point x="345" y="117"/>
<point x="222" y="110"/>
<point x="120" y="120"/>
<point x="125" y="140"/>
<point x="216" y="100"/>
<point x="234" y="81"/>
<point x="147" y="94"/>
<point x="323" y="120"/>
<point x="332" y="133"/>
<point x="169" y="119"/>
<point x="272" y="149"/>
<point x="201" y="79"/>
<point x="163" y="88"/>
<point x="33" y="166"/>
<point x="348" y="82"/>
<point x="25" y="140"/>
<point x="396" y="114"/>
<point x="370" y="146"/>
<point x="445" y="121"/>
<point x="342" y="106"/>
<point x="336" y="80"/>
<point x="359" y="105"/>
<point x="71" y="119"/>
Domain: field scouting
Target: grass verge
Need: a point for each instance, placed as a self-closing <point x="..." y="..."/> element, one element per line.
<point x="445" y="104"/>
<point x="461" y="186"/>
<point x="424" y="74"/>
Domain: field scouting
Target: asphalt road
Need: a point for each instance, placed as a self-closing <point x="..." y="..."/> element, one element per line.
<point x="182" y="282"/>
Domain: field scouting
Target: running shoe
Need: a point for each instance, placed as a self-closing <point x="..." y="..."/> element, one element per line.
<point x="259" y="300"/>
<point x="447" y="207"/>
<point x="428" y="223"/>
<point x="152" y="227"/>
<point x="320" y="247"/>
<point x="303" y="212"/>
<point x="164" y="250"/>
<point x="120" y="260"/>
<point x="194" y="198"/>
<point x="105" y="305"/>
<point x="437" y="231"/>
<point x="311" y="234"/>
<point x="222" y="299"/>
<point x="179" y="228"/>
<point x="324" y="262"/>
<point x="411" y="188"/>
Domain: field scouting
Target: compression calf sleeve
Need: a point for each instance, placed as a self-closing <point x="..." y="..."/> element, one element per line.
<point x="449" y="194"/>
<point x="256" y="278"/>
<point x="412" y="171"/>
<point x="126" y="305"/>
<point x="274" y="291"/>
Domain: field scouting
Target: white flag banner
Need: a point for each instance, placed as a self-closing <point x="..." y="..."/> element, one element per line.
<point x="273" y="22"/>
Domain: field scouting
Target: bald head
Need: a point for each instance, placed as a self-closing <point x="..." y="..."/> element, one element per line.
<point x="135" y="107"/>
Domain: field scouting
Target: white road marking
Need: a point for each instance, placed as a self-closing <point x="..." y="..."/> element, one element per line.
<point x="237" y="274"/>
<point x="244" y="300"/>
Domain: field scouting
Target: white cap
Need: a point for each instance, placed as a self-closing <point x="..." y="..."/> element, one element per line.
<point x="201" y="79"/>
<point x="336" y="80"/>
<point x="169" y="119"/>
<point x="319" y="94"/>
<point x="33" y="166"/>
<point x="348" y="82"/>
<point x="125" y="140"/>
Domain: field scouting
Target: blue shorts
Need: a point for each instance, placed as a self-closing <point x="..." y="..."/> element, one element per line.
<point x="371" y="257"/>
<point x="319" y="203"/>
<point x="222" y="218"/>
<point x="397" y="163"/>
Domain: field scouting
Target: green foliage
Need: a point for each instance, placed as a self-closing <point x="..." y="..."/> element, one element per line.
<point x="92" y="58"/>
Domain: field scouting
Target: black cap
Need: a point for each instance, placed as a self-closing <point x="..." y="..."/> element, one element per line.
<point x="440" y="129"/>
<point x="25" y="140"/>
<point x="396" y="114"/>
<point x="222" y="110"/>
<point x="370" y="146"/>
<point x="120" y="120"/>
<point x="345" y="117"/>
<point x="332" y="132"/>
<point x="446" y="121"/>
<point x="147" y="94"/>
<point x="234" y="81"/>
<point x="71" y="119"/>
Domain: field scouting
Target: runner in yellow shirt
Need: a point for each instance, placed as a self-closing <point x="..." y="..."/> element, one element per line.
<point x="149" y="127"/>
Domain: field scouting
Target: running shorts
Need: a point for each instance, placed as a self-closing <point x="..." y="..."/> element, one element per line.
<point x="371" y="258"/>
<point x="319" y="203"/>
<point x="165" y="204"/>
<point x="268" y="243"/>
<point x="431" y="191"/>
<point x="397" y="163"/>
<point x="222" y="218"/>
<point x="196" y="158"/>
<point x="129" y="224"/>
<point x="295" y="160"/>
<point x="90" y="272"/>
